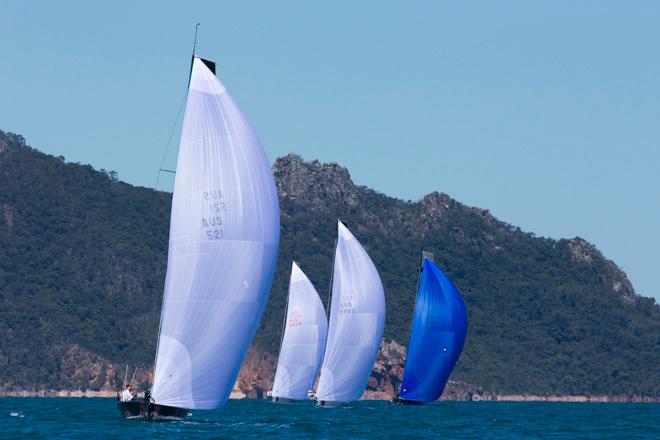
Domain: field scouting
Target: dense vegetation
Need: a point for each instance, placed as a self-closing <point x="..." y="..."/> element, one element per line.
<point x="82" y="262"/>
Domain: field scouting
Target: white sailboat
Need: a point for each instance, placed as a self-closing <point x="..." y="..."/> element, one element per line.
<point x="223" y="243"/>
<point x="305" y="334"/>
<point x="357" y="317"/>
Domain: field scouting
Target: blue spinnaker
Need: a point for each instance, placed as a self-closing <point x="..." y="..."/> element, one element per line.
<point x="436" y="338"/>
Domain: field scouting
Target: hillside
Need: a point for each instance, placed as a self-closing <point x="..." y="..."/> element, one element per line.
<point x="82" y="261"/>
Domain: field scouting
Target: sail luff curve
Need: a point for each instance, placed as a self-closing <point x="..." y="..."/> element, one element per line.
<point x="437" y="336"/>
<point x="356" y="324"/>
<point x="224" y="236"/>
<point x="304" y="339"/>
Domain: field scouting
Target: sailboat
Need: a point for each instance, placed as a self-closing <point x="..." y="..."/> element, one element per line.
<point x="303" y="342"/>
<point x="223" y="243"/>
<point x="357" y="315"/>
<point x="437" y="336"/>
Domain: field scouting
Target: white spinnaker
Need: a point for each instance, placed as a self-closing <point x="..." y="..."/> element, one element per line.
<point x="224" y="235"/>
<point x="304" y="339"/>
<point x="357" y="316"/>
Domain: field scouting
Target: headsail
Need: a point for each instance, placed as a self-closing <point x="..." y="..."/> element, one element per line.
<point x="437" y="336"/>
<point x="356" y="322"/>
<point x="224" y="236"/>
<point x="304" y="339"/>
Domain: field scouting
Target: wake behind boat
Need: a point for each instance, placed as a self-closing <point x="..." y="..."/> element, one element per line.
<point x="223" y="242"/>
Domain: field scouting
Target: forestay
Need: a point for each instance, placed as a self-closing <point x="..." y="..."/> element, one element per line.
<point x="304" y="339"/>
<point x="356" y="322"/>
<point x="224" y="235"/>
<point x="436" y="338"/>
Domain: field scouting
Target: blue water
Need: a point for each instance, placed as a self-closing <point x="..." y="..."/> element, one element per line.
<point x="98" y="418"/>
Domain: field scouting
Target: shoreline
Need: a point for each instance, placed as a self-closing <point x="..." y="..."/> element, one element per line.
<point x="475" y="398"/>
<point x="104" y="394"/>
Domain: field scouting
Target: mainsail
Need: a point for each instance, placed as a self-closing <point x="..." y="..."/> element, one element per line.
<point x="436" y="338"/>
<point x="304" y="339"/>
<point x="356" y="322"/>
<point x="224" y="235"/>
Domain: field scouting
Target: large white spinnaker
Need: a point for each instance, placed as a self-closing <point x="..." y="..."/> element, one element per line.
<point x="224" y="236"/>
<point x="304" y="339"/>
<point x="357" y="317"/>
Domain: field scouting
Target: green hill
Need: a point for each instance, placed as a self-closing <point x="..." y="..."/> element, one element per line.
<point x="83" y="256"/>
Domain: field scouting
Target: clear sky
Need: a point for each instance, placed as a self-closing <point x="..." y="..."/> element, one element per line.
<point x="546" y="113"/>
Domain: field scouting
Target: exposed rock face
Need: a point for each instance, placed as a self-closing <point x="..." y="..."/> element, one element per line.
<point x="256" y="376"/>
<point x="583" y="252"/>
<point x="293" y="176"/>
<point x="388" y="369"/>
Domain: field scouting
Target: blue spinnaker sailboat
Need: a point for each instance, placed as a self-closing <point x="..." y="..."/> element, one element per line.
<point x="437" y="336"/>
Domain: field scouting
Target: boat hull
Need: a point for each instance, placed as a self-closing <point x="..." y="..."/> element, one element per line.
<point x="138" y="409"/>
<point x="330" y="404"/>
<point x="399" y="401"/>
<point x="276" y="399"/>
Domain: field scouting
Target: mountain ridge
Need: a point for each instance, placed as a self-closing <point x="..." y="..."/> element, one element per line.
<point x="82" y="261"/>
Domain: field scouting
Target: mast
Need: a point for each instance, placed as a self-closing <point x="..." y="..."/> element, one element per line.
<point x="195" y="42"/>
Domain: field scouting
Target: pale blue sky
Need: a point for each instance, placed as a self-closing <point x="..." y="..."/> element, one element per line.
<point x="548" y="114"/>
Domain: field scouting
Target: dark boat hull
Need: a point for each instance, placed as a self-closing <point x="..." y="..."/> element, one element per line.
<point x="141" y="410"/>
<point x="276" y="399"/>
<point x="330" y="404"/>
<point x="399" y="401"/>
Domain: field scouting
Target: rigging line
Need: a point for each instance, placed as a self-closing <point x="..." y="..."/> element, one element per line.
<point x="169" y="141"/>
<point x="133" y="377"/>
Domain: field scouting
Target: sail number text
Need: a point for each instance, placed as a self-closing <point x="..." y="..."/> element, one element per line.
<point x="213" y="223"/>
<point x="347" y="302"/>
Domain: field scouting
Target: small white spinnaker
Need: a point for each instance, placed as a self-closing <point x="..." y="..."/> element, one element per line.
<point x="357" y="317"/>
<point x="305" y="334"/>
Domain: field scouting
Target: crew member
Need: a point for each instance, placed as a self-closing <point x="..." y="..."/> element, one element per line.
<point x="126" y="395"/>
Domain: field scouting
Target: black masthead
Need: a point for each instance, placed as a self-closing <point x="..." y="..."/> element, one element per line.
<point x="207" y="63"/>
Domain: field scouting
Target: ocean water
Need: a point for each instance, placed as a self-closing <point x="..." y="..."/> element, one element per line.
<point x="71" y="418"/>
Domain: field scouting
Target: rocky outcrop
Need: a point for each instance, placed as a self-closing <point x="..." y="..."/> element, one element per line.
<point x="583" y="252"/>
<point x="388" y="371"/>
<point x="294" y="176"/>
<point x="256" y="376"/>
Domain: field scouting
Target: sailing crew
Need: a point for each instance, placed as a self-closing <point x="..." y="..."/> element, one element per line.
<point x="127" y="395"/>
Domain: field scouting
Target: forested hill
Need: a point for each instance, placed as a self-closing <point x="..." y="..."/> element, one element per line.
<point x="83" y="255"/>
